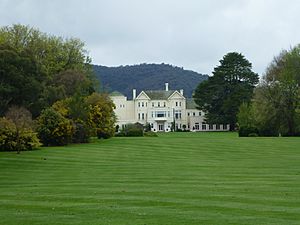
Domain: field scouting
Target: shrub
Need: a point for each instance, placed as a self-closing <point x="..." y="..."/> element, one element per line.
<point x="246" y="131"/>
<point x="134" y="132"/>
<point x="12" y="139"/>
<point x="268" y="132"/>
<point x="104" y="133"/>
<point x="101" y="115"/>
<point x="53" y="129"/>
<point x="82" y="133"/>
<point x="253" y="135"/>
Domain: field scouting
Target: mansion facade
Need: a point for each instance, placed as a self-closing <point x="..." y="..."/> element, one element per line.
<point x="160" y="109"/>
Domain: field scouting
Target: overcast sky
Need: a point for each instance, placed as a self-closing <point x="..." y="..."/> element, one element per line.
<point x="194" y="34"/>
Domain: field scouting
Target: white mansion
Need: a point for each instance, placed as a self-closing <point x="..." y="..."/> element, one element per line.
<point x="160" y="108"/>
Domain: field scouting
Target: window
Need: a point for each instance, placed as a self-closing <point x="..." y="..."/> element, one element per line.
<point x="224" y="126"/>
<point x="152" y="114"/>
<point x="188" y="114"/>
<point x="143" y="117"/>
<point x="178" y="114"/>
<point x="160" y="114"/>
<point x="203" y="126"/>
<point x="152" y="104"/>
<point x="139" y="116"/>
<point x="142" y="104"/>
<point x="199" y="113"/>
<point x="146" y="104"/>
<point x="194" y="114"/>
<point x="218" y="127"/>
<point x="197" y="126"/>
<point x="164" y="104"/>
<point x="158" y="104"/>
<point x="210" y="126"/>
<point x="139" y="104"/>
<point x="179" y="103"/>
<point x="176" y="103"/>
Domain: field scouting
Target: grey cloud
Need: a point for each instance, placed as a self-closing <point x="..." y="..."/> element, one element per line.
<point x="193" y="34"/>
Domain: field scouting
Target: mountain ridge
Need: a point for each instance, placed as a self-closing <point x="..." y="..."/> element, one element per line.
<point x="147" y="77"/>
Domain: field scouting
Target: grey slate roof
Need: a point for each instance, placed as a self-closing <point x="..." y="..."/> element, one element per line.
<point x="159" y="95"/>
<point x="190" y="104"/>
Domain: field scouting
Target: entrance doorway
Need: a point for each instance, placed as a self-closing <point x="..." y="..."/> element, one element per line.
<point x="161" y="127"/>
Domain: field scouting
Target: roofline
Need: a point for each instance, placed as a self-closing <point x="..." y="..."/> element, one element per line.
<point x="142" y="92"/>
<point x="177" y="93"/>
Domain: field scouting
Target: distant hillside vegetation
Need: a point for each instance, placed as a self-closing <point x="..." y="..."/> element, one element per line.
<point x="147" y="77"/>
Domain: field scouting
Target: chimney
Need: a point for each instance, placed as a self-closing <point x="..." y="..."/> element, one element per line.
<point x="167" y="86"/>
<point x="181" y="91"/>
<point x="133" y="94"/>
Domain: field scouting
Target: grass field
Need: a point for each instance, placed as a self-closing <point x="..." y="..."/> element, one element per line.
<point x="182" y="178"/>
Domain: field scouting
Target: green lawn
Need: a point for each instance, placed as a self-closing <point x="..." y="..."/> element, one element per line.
<point x="182" y="178"/>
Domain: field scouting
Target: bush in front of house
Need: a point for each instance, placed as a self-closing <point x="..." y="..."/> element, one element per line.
<point x="131" y="130"/>
<point x="248" y="132"/>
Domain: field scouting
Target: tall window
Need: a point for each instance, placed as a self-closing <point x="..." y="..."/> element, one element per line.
<point x="203" y="126"/>
<point x="152" y="104"/>
<point x="164" y="104"/>
<point x="139" y="104"/>
<point x="158" y="104"/>
<point x="143" y="117"/>
<point x="177" y="114"/>
<point x="176" y="103"/>
<point x="197" y="126"/>
<point x="142" y="104"/>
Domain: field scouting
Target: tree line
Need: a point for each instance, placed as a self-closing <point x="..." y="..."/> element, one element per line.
<point x="48" y="91"/>
<point x="266" y="107"/>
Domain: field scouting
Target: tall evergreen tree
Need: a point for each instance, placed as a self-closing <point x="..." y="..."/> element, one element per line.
<point x="232" y="84"/>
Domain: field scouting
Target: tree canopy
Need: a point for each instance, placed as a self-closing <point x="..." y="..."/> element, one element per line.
<point x="232" y="84"/>
<point x="38" y="69"/>
<point x="276" y="102"/>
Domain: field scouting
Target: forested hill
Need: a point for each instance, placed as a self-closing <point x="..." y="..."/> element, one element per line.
<point x="147" y="77"/>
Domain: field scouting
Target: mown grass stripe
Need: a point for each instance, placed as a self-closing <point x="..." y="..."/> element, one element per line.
<point x="182" y="178"/>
